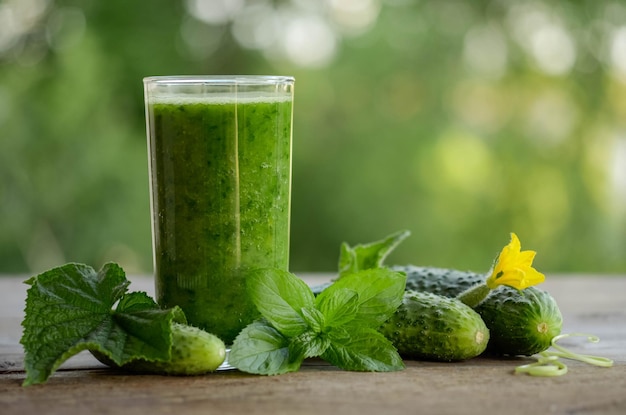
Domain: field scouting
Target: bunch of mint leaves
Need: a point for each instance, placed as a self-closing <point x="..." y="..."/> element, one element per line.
<point x="339" y="325"/>
<point x="70" y="309"/>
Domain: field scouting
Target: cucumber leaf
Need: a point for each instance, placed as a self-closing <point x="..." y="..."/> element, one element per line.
<point x="70" y="309"/>
<point x="142" y="328"/>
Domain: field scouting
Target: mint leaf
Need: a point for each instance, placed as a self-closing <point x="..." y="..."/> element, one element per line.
<point x="339" y="306"/>
<point x="348" y="261"/>
<point x="379" y="292"/>
<point x="280" y="297"/>
<point x="314" y="319"/>
<point x="368" y="256"/>
<point x="309" y="344"/>
<point x="363" y="350"/>
<point x="69" y="309"/>
<point x="261" y="349"/>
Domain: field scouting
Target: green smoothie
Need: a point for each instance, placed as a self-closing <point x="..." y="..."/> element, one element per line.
<point x="221" y="178"/>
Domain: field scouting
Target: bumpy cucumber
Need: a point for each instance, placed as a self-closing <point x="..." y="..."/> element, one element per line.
<point x="194" y="352"/>
<point x="519" y="322"/>
<point x="432" y="327"/>
<point x="442" y="281"/>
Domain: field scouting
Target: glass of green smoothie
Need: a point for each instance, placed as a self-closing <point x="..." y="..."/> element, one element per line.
<point x="220" y="179"/>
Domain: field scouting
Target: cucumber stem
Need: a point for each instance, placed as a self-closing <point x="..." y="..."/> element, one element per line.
<point x="474" y="295"/>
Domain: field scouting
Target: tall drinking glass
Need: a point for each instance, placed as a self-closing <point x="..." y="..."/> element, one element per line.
<point x="220" y="180"/>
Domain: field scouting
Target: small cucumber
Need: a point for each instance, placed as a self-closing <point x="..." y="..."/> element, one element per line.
<point x="194" y="352"/>
<point x="432" y="327"/>
<point x="520" y="322"/>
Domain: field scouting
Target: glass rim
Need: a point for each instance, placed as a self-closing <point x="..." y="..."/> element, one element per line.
<point x="219" y="80"/>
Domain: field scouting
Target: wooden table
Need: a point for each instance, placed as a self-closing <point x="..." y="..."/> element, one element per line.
<point x="590" y="304"/>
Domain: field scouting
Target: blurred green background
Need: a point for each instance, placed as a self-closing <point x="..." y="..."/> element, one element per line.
<point x="461" y="121"/>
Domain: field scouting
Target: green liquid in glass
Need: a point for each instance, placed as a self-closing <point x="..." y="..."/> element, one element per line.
<point x="221" y="178"/>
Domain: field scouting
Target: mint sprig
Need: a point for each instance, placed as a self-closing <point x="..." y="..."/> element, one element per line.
<point x="340" y="325"/>
<point x="70" y="309"/>
<point x="369" y="255"/>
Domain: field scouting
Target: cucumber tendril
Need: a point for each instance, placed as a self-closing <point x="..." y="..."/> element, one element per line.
<point x="549" y="365"/>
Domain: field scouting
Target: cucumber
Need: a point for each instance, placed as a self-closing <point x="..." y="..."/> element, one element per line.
<point x="519" y="322"/>
<point x="442" y="281"/>
<point x="427" y="326"/>
<point x="194" y="352"/>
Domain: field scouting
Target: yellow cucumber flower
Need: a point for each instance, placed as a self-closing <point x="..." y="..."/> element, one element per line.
<point x="514" y="267"/>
